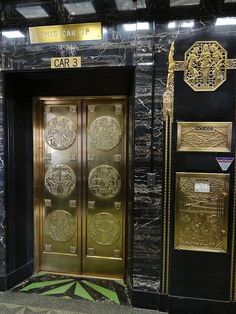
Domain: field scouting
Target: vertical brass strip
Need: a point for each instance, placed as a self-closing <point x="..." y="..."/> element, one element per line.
<point x="38" y="164"/>
<point x="80" y="180"/>
<point x="165" y="204"/>
<point x="168" y="105"/>
<point x="233" y="268"/>
<point x="169" y="205"/>
<point x="84" y="179"/>
<point x="125" y="182"/>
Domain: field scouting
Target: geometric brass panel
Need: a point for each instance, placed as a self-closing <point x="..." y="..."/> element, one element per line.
<point x="204" y="136"/>
<point x="205" y="66"/>
<point x="201" y="211"/>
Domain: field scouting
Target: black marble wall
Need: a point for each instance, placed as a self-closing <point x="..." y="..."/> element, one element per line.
<point x="2" y="207"/>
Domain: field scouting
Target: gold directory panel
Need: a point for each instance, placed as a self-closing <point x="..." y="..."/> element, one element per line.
<point x="79" y="185"/>
<point x="204" y="136"/>
<point x="201" y="211"/>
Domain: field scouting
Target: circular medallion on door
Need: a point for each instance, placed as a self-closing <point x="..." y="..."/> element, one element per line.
<point x="60" y="133"/>
<point x="104" y="229"/>
<point x="60" y="180"/>
<point x="60" y="226"/>
<point x="104" y="182"/>
<point x="104" y="133"/>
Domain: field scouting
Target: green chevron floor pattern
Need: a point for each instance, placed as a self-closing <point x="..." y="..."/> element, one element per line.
<point x="108" y="291"/>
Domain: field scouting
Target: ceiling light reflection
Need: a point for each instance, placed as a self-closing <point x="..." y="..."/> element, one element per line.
<point x="32" y="12"/>
<point x="177" y="3"/>
<point x="138" y="26"/>
<point x="13" y="34"/>
<point x="80" y="8"/>
<point x="225" y="21"/>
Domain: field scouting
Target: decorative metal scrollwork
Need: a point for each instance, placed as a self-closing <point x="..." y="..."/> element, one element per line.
<point x="205" y="66"/>
<point x="60" y="180"/>
<point x="105" y="133"/>
<point x="60" y="226"/>
<point x="60" y="133"/>
<point x="104" y="229"/>
<point x="104" y="182"/>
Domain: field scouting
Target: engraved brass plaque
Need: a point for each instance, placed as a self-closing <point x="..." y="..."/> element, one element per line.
<point x="65" y="62"/>
<point x="204" y="136"/>
<point x="201" y="211"/>
<point x="64" y="33"/>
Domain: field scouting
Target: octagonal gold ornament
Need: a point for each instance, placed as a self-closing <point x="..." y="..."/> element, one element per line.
<point x="205" y="66"/>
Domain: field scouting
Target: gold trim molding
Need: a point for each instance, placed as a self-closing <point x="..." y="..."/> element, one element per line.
<point x="168" y="107"/>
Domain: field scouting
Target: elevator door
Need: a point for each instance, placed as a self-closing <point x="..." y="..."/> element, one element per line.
<point x="79" y="147"/>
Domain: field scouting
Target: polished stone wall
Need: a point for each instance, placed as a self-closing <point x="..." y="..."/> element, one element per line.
<point x="2" y="207"/>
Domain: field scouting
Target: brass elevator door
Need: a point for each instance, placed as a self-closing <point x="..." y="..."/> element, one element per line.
<point x="79" y="180"/>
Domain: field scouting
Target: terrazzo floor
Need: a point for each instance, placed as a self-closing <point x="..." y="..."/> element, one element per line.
<point x="99" y="290"/>
<point x="57" y="294"/>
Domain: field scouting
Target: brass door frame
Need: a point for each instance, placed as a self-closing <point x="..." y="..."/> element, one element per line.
<point x="38" y="164"/>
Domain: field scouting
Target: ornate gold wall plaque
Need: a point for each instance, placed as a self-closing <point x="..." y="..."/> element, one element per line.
<point x="205" y="66"/>
<point x="60" y="226"/>
<point x="104" y="229"/>
<point x="64" y="33"/>
<point x="105" y="133"/>
<point x="204" y="136"/>
<point x="201" y="211"/>
<point x="60" y="180"/>
<point x="104" y="182"/>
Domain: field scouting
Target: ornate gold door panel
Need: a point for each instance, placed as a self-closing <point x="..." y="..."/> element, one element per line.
<point x="201" y="211"/>
<point x="105" y="155"/>
<point x="79" y="185"/>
